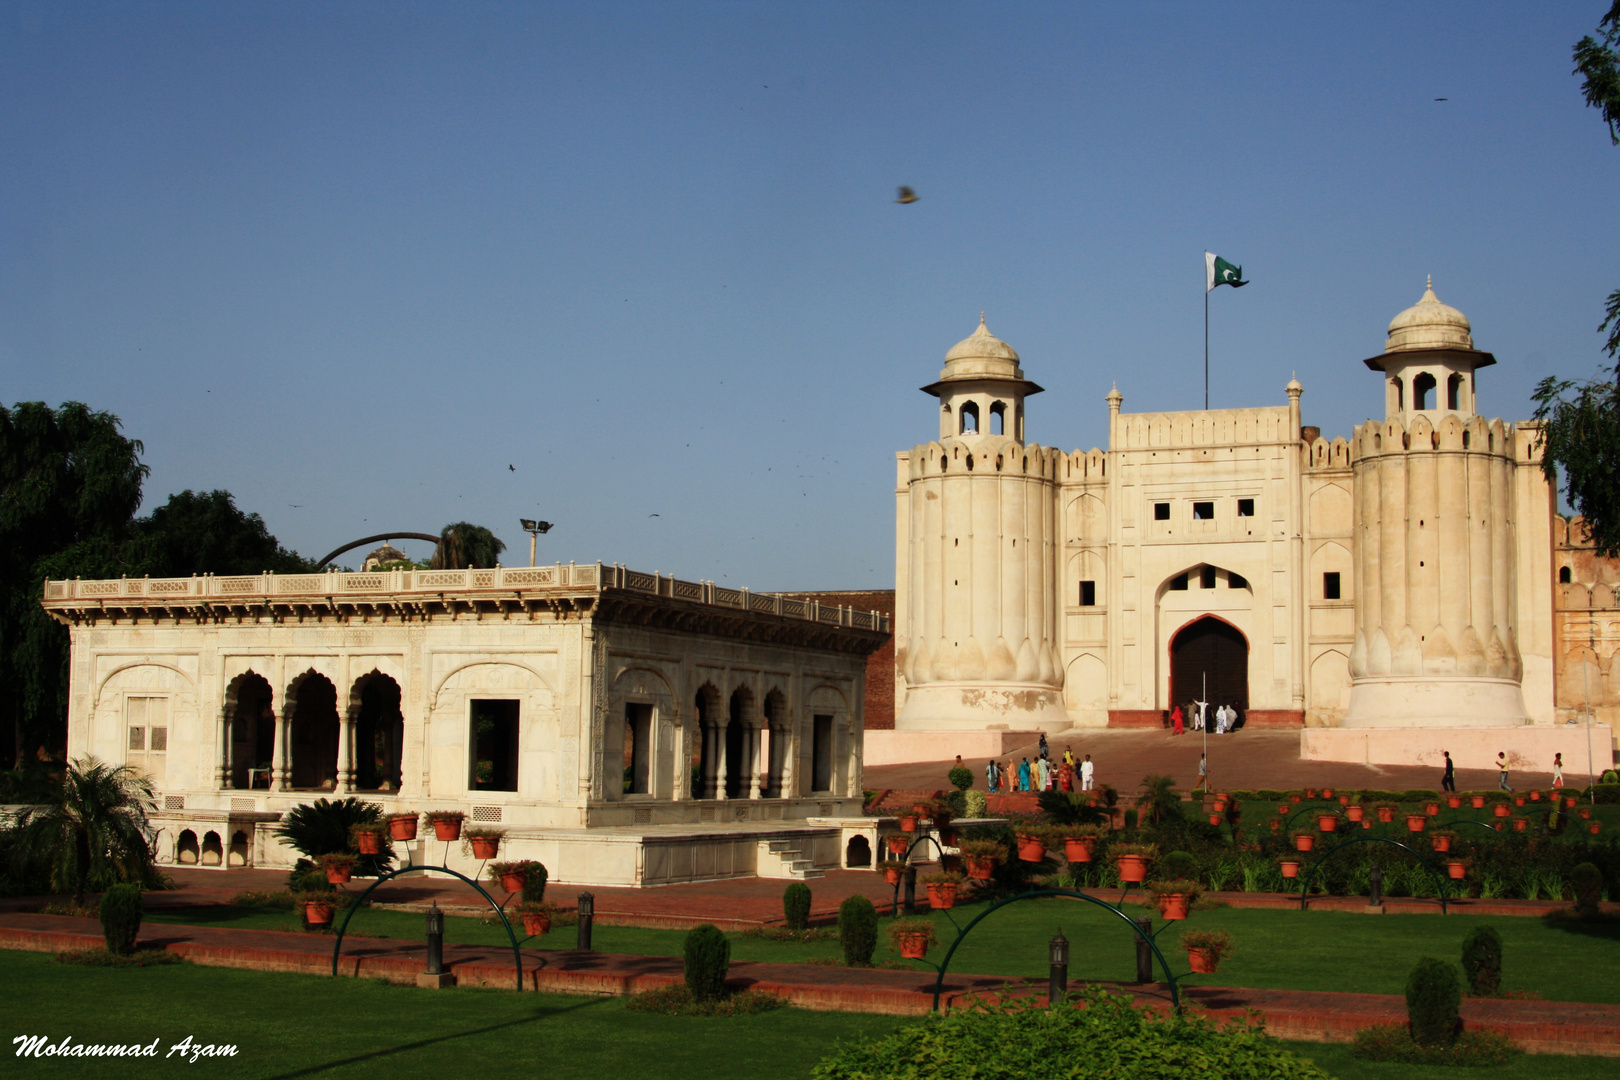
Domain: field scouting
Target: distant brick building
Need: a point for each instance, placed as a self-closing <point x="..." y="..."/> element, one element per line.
<point x="880" y="665"/>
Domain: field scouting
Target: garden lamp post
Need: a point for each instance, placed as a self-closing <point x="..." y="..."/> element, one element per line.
<point x="1144" y="952"/>
<point x="587" y="909"/>
<point x="435" y="941"/>
<point x="1375" y="879"/>
<point x="1058" y="955"/>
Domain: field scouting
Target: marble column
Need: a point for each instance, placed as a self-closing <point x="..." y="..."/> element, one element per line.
<point x="280" y="772"/>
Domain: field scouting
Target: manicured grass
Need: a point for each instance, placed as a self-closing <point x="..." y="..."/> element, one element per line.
<point x="1312" y="950"/>
<point x="287" y="1026"/>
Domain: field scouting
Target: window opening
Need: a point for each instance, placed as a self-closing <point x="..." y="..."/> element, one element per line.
<point x="1088" y="594"/>
<point x="1178" y="583"/>
<point x="1206" y="577"/>
<point x="1161" y="511"/>
<point x="1203" y="511"/>
<point x="1563" y="576"/>
<point x="1330" y="585"/>
<point x="494" y="731"/>
<point x="1454" y="392"/>
<point x="1422" y="386"/>
<point x="998" y="418"/>
<point x="1245" y="508"/>
<point x="637" y="748"/>
<point x="969" y="424"/>
<point x="1236" y="581"/>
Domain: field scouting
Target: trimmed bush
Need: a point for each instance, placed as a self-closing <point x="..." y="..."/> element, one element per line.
<point x="974" y="803"/>
<point x="796" y="906"/>
<point x="857" y="930"/>
<point x="1482" y="961"/>
<point x="121" y="918"/>
<point x="1177" y="864"/>
<point x="1586" y="882"/>
<point x="1605" y="794"/>
<point x="1433" y="998"/>
<point x="708" y="962"/>
<point x="534" y="884"/>
<point x="961" y="778"/>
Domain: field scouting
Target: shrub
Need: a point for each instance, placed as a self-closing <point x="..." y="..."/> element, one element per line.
<point x="1392" y="1042"/>
<point x="1177" y="864"/>
<point x="975" y="804"/>
<point x="679" y="1001"/>
<point x="1586" y="881"/>
<point x="1433" y="997"/>
<point x="1420" y="795"/>
<point x="1130" y="819"/>
<point x="121" y="918"/>
<point x="1108" y="1037"/>
<point x="796" y="905"/>
<point x="1482" y="961"/>
<point x="708" y="962"/>
<point x="534" y="883"/>
<point x="961" y="778"/>
<point x="857" y="930"/>
<point x="1605" y="794"/>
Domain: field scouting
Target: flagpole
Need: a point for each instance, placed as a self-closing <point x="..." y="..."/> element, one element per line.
<point x="1206" y="349"/>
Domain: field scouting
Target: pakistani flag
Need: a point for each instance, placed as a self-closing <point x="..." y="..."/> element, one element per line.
<point x="1217" y="271"/>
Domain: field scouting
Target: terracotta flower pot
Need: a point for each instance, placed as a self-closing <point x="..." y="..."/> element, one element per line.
<point x="1366" y="824"/>
<point x="980" y="867"/>
<point x="1275" y="824"/>
<point x="1310" y="793"/>
<point x="1570" y="801"/>
<point x="1284" y="808"/>
<point x="1289" y="868"/>
<point x="908" y="823"/>
<point x="1304" y="843"/>
<point x="339" y="873"/>
<point x="1535" y="796"/>
<point x="942" y="896"/>
<point x="1432" y="809"/>
<point x="1478" y="801"/>
<point x="1327" y="793"/>
<point x="1031" y="848"/>
<point x="512" y="881"/>
<point x="898" y="846"/>
<point x="1518" y="800"/>
<point x="1386" y="815"/>
<point x="402" y="828"/>
<point x="1594" y="827"/>
<point x="1502" y="810"/>
<point x="447" y="828"/>
<point x="485" y="847"/>
<point x="368" y="843"/>
<point x="1586" y="812"/>
<point x="1203" y="961"/>
<point x="912" y="946"/>
<point x="891" y="874"/>
<point x="1519" y="824"/>
<point x="1327" y="822"/>
<point x="1173" y="905"/>
<point x="1442" y="843"/>
<point x="1355" y="811"/>
<point x="536" y="923"/>
<point x="1220" y="806"/>
<point x="1132" y="868"/>
<point x="1458" y="870"/>
<point x="1294" y="798"/>
<point x="1454" y="801"/>
<point x="317" y="912"/>
<point x="1415" y="822"/>
<point x="1344" y="800"/>
<point x="922" y="810"/>
<point x="1214" y="819"/>
<point x="1078" y="848"/>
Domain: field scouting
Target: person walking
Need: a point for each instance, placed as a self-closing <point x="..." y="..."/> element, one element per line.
<point x="1502" y="768"/>
<point x="1558" y="770"/>
<point x="1448" y="782"/>
<point x="1023" y="775"/>
<point x="1203" y="773"/>
<point x="990" y="776"/>
<point x="1066" y="776"/>
<point x="1044" y="750"/>
<point x="1068" y="755"/>
<point x="1175" y="720"/>
<point x="1087" y="772"/>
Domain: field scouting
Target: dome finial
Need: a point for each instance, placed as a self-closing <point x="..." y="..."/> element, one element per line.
<point x="981" y="320"/>
<point x="1428" y="282"/>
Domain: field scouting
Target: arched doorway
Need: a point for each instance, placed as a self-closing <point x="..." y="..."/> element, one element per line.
<point x="312" y="700"/>
<point x="705" y="748"/>
<point x="738" y="746"/>
<point x="379" y="731"/>
<point x="1212" y="648"/>
<point x="253" y="730"/>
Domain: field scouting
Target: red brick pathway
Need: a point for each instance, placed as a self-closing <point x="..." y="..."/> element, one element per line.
<point x="1546" y="1027"/>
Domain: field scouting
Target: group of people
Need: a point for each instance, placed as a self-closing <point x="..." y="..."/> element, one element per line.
<point x="1197" y="715"/>
<point x="1042" y="774"/>
<point x="1448" y="780"/>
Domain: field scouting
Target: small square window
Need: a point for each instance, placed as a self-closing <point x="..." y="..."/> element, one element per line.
<point x="1330" y="586"/>
<point x="160" y="740"/>
<point x="1088" y="594"/>
<point x="1161" y="511"/>
<point x="1245" y="508"/>
<point x="1206" y="578"/>
<point x="137" y="738"/>
<point x="1178" y="583"/>
<point x="1236" y="581"/>
<point x="1203" y="511"/>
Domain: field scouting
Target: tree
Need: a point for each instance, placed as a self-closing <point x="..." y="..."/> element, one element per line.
<point x="1159" y="801"/>
<point x="1580" y="419"/>
<point x="464" y="544"/>
<point x="94" y="831"/>
<point x="205" y="533"/>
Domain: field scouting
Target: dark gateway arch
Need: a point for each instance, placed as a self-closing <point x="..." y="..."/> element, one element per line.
<point x="1214" y="647"/>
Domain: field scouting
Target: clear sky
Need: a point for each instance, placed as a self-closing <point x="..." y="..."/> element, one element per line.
<point x="396" y="265"/>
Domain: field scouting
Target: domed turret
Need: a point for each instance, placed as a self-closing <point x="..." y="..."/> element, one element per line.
<point x="981" y="388"/>
<point x="1429" y="361"/>
<point x="1429" y="324"/>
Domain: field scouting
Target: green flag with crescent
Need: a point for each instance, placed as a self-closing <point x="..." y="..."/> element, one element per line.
<point x="1217" y="271"/>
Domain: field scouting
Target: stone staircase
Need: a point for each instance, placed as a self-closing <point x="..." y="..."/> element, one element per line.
<point x="785" y="859"/>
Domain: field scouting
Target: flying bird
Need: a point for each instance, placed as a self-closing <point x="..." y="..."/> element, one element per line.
<point x="1442" y="99"/>
<point x="511" y="468"/>
<point x="906" y="195"/>
<point x="655" y="515"/>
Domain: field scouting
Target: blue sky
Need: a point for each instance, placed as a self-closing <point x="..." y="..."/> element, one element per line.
<point x="351" y="262"/>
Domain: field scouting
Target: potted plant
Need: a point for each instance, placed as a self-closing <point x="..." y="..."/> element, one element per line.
<point x="1327" y="822"/>
<point x="1344" y="800"/>
<point x="892" y="869"/>
<point x="1442" y="839"/>
<point x="1586" y="812"/>
<point x="940" y="811"/>
<point x="981" y="857"/>
<point x="1132" y="861"/>
<point x="899" y="843"/>
<point x="1502" y="809"/>
<point x="1535" y="796"/>
<point x="1310" y="793"/>
<point x="318" y="906"/>
<point x="1080" y="842"/>
<point x="1477" y="799"/>
<point x="339" y="867"/>
<point x="1327" y="793"/>
<point x="1304" y="839"/>
<point x="510" y="874"/>
<point x="1032" y="840"/>
<point x="942" y="889"/>
<point x="1453" y="800"/>
<point x="1518" y="799"/>
<point x="1275" y="825"/>
<point x="446" y="823"/>
<point x="1220" y="802"/>
<point x="1594" y="827"/>
<point x="402" y="826"/>
<point x="1284" y="809"/>
<point x="908" y="822"/>
<point x="1355" y="811"/>
<point x="484" y="842"/>
<point x="367" y="837"/>
<point x="1386" y="811"/>
<point x="1416" y="822"/>
<point x="1519" y="824"/>
<point x="537" y="918"/>
<point x="1457" y="868"/>
<point x="1288" y="865"/>
<point x="1432" y="809"/>
<point x="1175" y="897"/>
<point x="1206" y="949"/>
<point x="913" y="936"/>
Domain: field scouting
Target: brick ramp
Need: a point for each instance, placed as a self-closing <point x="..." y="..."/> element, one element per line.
<point x="1538" y="1026"/>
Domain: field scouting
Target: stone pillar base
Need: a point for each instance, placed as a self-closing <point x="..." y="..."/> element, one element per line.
<point x="441" y="981"/>
<point x="1435" y="701"/>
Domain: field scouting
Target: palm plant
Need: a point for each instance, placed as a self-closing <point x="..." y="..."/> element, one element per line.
<point x="94" y="829"/>
<point x="463" y="544"/>
<point x="1070" y="808"/>
<point x="323" y="828"/>
<point x="1159" y="800"/>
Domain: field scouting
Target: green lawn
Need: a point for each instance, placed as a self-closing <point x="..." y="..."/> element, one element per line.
<point x="1313" y="950"/>
<point x="287" y="1026"/>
